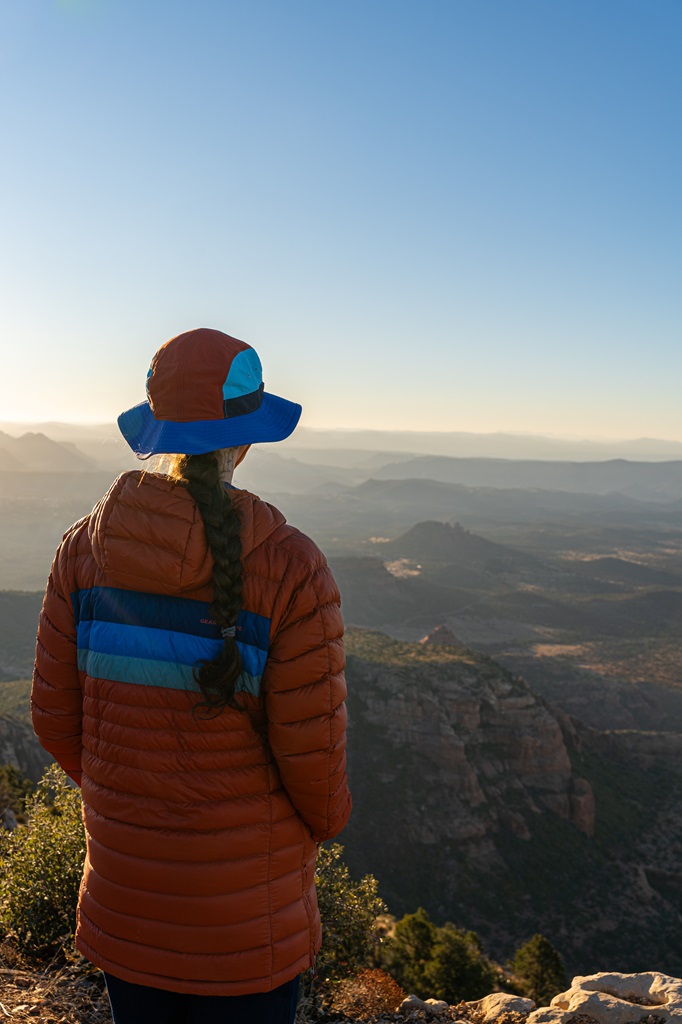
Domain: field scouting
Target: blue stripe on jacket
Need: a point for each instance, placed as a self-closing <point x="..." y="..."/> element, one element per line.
<point x="156" y="639"/>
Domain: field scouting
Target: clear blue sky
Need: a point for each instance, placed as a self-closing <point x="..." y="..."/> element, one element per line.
<point x="435" y="214"/>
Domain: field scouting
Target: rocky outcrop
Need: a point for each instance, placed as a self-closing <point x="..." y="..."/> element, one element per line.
<point x="486" y="752"/>
<point x="476" y="800"/>
<point x="499" y="1003"/>
<point x="20" y="748"/>
<point x="441" y="636"/>
<point x="647" y="998"/>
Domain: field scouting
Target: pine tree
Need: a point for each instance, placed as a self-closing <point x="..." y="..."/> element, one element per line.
<point x="410" y="951"/>
<point x="540" y="966"/>
<point x="457" y="969"/>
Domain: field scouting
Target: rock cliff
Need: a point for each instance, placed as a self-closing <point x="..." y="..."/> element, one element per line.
<point x="20" y="748"/>
<point x="475" y="799"/>
<point x="487" y="748"/>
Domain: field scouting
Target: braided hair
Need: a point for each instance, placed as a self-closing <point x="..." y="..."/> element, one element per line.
<point x="200" y="474"/>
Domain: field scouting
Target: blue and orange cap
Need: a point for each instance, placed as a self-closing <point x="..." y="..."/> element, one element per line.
<point x="205" y="392"/>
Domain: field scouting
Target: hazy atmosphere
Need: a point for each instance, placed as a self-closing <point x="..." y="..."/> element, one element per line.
<point x="442" y="216"/>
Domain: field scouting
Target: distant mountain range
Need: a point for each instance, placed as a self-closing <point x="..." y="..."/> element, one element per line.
<point x="39" y="453"/>
<point x="294" y="468"/>
<point x="299" y="471"/>
<point x="645" y="481"/>
<point x="349" y="447"/>
<point x="61" y="447"/>
<point x="497" y="445"/>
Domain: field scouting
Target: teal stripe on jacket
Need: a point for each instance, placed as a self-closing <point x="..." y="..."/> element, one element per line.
<point x="145" y="672"/>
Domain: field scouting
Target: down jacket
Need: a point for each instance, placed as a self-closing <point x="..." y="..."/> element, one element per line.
<point x="201" y="834"/>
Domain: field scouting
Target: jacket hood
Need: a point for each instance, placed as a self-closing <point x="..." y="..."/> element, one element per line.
<point x="146" y="533"/>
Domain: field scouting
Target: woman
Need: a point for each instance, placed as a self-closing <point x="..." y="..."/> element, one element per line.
<point x="189" y="677"/>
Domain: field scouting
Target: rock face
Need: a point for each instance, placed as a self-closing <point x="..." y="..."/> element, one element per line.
<point x="650" y="998"/>
<point x="479" y="802"/>
<point x="20" y="748"/>
<point x="484" y="752"/>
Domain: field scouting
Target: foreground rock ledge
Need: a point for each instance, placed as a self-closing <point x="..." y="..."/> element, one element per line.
<point x="650" y="997"/>
<point x="647" y="998"/>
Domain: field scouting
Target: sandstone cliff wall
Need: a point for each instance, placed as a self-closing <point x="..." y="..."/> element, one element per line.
<point x="475" y="799"/>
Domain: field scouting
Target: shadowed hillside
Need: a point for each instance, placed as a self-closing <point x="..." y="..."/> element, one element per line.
<point x="477" y="801"/>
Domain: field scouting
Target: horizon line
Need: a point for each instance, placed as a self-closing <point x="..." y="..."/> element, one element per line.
<point x="562" y="438"/>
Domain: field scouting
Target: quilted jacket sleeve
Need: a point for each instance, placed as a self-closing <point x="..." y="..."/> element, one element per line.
<point x="305" y="689"/>
<point x="56" y="699"/>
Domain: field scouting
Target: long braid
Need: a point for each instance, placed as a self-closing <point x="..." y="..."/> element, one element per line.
<point x="200" y="474"/>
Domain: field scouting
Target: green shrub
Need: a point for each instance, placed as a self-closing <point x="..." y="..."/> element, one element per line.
<point x="441" y="963"/>
<point x="409" y="951"/>
<point x="458" y="969"/>
<point x="349" y="911"/>
<point x="41" y="864"/>
<point x="541" y="969"/>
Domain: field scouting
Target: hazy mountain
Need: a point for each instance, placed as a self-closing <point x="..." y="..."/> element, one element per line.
<point x="35" y="510"/>
<point x="450" y="543"/>
<point x="8" y="462"/>
<point x="497" y="445"/>
<point x="398" y="442"/>
<point x="60" y="431"/>
<point x="263" y="470"/>
<point x="644" y="481"/>
<point x="344" y="520"/>
<point x="19" y="611"/>
<point x="102" y="445"/>
<point x="38" y="453"/>
<point x="359" y="459"/>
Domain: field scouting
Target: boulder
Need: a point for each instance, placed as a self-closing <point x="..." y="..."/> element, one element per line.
<point x="497" y="1003"/>
<point x="647" y="998"/>
<point x="412" y="1003"/>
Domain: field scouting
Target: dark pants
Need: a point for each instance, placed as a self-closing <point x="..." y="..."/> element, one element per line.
<point x="139" y="1004"/>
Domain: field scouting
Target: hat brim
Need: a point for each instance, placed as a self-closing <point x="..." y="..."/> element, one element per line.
<point x="275" y="419"/>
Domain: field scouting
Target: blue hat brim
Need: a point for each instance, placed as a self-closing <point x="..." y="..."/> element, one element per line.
<point x="275" y="419"/>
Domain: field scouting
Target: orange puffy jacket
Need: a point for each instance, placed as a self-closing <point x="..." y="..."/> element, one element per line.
<point x="201" y="834"/>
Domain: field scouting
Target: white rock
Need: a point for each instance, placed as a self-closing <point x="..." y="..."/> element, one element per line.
<point x="501" y="1002"/>
<point x="615" y="999"/>
<point x="546" y="1015"/>
<point x="415" y="1003"/>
